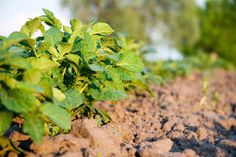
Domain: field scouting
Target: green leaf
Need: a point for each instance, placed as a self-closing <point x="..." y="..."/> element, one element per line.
<point x="116" y="82"/>
<point x="95" y="67"/>
<point x="5" y="121"/>
<point x="15" y="51"/>
<point x="46" y="20"/>
<point x="44" y="64"/>
<point x="32" y="76"/>
<point x="53" y="51"/>
<point x="57" y="115"/>
<point x="76" y="27"/>
<point x="12" y="39"/>
<point x="43" y="46"/>
<point x="125" y="75"/>
<point x="34" y="126"/>
<point x="73" y="99"/>
<point x="144" y="86"/>
<point x="114" y="57"/>
<point x="110" y="44"/>
<point x="101" y="29"/>
<point x="76" y="24"/>
<point x="47" y="88"/>
<point x="30" y="43"/>
<point x="27" y="86"/>
<point x="88" y="45"/>
<point x="67" y="29"/>
<point x="19" y="101"/>
<point x="108" y="94"/>
<point x="41" y="28"/>
<point x="17" y="36"/>
<point x="53" y="20"/>
<point x="30" y="27"/>
<point x="73" y="58"/>
<point x="58" y="94"/>
<point x="53" y="35"/>
<point x="131" y="62"/>
<point x="18" y="62"/>
<point x="64" y="48"/>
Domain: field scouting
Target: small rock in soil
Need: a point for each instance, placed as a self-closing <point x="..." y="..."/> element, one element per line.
<point x="154" y="149"/>
<point x="168" y="125"/>
<point x="98" y="138"/>
<point x="190" y="153"/>
<point x="179" y="127"/>
<point x="202" y="133"/>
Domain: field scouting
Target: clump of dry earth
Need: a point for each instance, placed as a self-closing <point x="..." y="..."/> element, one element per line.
<point x="180" y="121"/>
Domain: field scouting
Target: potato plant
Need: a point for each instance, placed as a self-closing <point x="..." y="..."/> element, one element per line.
<point x="50" y="72"/>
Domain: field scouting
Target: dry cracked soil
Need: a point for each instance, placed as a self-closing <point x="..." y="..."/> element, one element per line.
<point x="180" y="121"/>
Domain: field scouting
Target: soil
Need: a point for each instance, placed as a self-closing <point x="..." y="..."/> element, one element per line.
<point x="180" y="121"/>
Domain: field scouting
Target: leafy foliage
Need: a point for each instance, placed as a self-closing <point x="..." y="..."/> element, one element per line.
<point x="217" y="26"/>
<point x="50" y="75"/>
<point x="168" y="70"/>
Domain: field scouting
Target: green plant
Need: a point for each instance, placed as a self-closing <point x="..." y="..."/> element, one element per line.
<point x="203" y="61"/>
<point x="50" y="74"/>
<point x="169" y="70"/>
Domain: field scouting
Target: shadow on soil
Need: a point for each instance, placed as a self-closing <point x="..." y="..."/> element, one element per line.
<point x="222" y="146"/>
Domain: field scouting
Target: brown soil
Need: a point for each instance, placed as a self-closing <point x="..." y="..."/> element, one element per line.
<point x="179" y="122"/>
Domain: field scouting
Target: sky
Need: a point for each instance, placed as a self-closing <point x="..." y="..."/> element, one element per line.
<point x="201" y="2"/>
<point x="14" y="13"/>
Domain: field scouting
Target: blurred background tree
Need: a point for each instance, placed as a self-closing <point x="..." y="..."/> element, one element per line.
<point x="177" y="20"/>
<point x="218" y="24"/>
<point x="120" y="14"/>
<point x="184" y="24"/>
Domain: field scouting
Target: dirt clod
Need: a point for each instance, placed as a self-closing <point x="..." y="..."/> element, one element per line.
<point x="190" y="153"/>
<point x="157" y="148"/>
<point x="202" y="133"/>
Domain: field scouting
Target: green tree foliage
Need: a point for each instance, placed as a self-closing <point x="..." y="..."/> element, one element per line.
<point x="181" y="22"/>
<point x="218" y="23"/>
<point x="118" y="13"/>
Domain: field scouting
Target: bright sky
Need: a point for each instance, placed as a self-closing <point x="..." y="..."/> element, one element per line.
<point x="14" y="13"/>
<point x="201" y="2"/>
